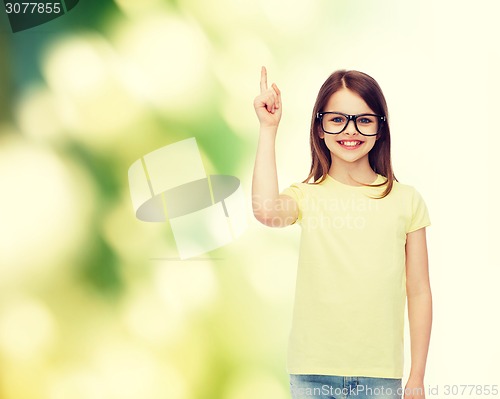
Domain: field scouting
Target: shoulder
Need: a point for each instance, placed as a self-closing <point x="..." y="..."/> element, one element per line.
<point x="415" y="206"/>
<point x="306" y="188"/>
<point x="403" y="186"/>
<point x="408" y="194"/>
<point x="302" y="192"/>
<point x="403" y="189"/>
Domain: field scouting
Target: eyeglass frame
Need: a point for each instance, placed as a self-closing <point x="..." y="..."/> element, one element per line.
<point x="353" y="118"/>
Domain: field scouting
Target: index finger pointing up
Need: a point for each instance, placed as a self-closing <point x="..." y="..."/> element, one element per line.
<point x="263" y="79"/>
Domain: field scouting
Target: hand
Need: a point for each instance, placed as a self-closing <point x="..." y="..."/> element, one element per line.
<point x="414" y="389"/>
<point x="268" y="103"/>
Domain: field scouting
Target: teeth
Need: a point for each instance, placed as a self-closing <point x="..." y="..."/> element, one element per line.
<point x="350" y="143"/>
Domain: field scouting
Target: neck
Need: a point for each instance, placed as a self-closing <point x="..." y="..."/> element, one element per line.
<point x="352" y="172"/>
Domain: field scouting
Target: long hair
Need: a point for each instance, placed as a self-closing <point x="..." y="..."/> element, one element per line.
<point x="380" y="155"/>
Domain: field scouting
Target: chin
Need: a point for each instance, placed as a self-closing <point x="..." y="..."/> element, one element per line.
<point x="354" y="158"/>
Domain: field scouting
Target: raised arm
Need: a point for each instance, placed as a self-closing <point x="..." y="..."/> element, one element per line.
<point x="269" y="207"/>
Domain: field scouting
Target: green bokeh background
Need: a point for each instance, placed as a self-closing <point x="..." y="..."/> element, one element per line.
<point x="94" y="303"/>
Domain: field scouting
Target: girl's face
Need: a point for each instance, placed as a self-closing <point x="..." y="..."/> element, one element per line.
<point x="348" y="102"/>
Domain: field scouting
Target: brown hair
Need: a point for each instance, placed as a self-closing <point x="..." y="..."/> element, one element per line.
<point x="380" y="155"/>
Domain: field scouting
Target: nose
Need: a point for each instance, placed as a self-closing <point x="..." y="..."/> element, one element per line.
<point x="351" y="127"/>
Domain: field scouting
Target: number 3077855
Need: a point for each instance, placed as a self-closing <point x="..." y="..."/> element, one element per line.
<point x="33" y="8"/>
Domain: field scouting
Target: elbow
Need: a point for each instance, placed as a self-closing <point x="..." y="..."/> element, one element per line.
<point x="419" y="292"/>
<point x="273" y="220"/>
<point x="265" y="219"/>
<point x="269" y="219"/>
<point x="272" y="214"/>
<point x="262" y="214"/>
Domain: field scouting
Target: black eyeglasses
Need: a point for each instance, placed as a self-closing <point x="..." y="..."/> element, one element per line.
<point x="336" y="122"/>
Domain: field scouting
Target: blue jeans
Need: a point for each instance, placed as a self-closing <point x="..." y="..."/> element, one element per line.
<point x="337" y="387"/>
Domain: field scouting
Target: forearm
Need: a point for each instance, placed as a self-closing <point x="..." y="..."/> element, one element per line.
<point x="420" y="319"/>
<point x="265" y="190"/>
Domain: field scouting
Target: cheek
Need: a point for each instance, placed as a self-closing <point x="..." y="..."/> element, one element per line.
<point x="330" y="141"/>
<point x="370" y="143"/>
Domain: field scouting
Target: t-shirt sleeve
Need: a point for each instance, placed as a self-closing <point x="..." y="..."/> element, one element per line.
<point x="420" y="214"/>
<point x="296" y="192"/>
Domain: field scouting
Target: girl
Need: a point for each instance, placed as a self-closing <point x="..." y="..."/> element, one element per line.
<point x="362" y="250"/>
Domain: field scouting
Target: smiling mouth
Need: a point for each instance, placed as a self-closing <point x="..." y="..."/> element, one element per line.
<point x="350" y="144"/>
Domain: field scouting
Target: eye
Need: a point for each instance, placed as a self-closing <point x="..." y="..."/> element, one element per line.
<point x="337" y="119"/>
<point x="366" y="119"/>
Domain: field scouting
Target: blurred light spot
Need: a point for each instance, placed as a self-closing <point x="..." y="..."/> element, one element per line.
<point x="249" y="384"/>
<point x="164" y="59"/>
<point x="241" y="119"/>
<point x="130" y="238"/>
<point x="225" y="19"/>
<point x="27" y="329"/>
<point x="77" y="65"/>
<point x="148" y="318"/>
<point x="295" y="18"/>
<point x="129" y="372"/>
<point x="237" y="66"/>
<point x="44" y="210"/>
<point x="272" y="271"/>
<point x="76" y="384"/>
<point x="83" y="73"/>
<point x="24" y="378"/>
<point x="133" y="8"/>
<point x="37" y="114"/>
<point x="188" y="286"/>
